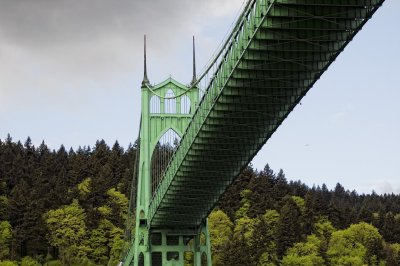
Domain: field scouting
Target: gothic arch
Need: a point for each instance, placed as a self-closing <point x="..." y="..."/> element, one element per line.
<point x="162" y="153"/>
<point x="185" y="105"/>
<point x="155" y="105"/>
<point x="170" y="102"/>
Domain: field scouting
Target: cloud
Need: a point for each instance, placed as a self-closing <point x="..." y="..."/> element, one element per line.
<point x="385" y="186"/>
<point x="49" y="48"/>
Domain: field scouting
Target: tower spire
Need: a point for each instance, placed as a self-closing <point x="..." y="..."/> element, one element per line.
<point x="194" y="79"/>
<point x="145" y="79"/>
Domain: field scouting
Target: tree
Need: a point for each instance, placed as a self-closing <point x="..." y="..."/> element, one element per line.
<point x="289" y="226"/>
<point x="245" y="204"/>
<point x="220" y="227"/>
<point x="8" y="263"/>
<point x="393" y="254"/>
<point x="304" y="253"/>
<point x="264" y="250"/>
<point x="5" y="239"/>
<point x="323" y="229"/>
<point x="391" y="228"/>
<point x="118" y="203"/>
<point x="359" y="244"/>
<point x="28" y="261"/>
<point x="67" y="231"/>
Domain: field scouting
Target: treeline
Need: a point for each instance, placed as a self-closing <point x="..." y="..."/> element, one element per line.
<point x="263" y="219"/>
<point x="60" y="207"/>
<point x="63" y="207"/>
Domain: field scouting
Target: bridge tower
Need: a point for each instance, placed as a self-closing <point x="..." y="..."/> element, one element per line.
<point x="167" y="109"/>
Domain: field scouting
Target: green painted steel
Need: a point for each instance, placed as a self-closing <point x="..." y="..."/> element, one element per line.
<point x="275" y="53"/>
<point x="166" y="106"/>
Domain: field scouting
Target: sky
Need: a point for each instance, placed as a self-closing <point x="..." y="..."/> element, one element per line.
<point x="71" y="71"/>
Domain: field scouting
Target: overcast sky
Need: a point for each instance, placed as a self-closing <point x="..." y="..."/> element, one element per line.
<point x="70" y="73"/>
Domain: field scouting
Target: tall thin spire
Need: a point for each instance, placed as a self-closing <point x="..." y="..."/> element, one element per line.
<point x="194" y="79"/>
<point x="145" y="79"/>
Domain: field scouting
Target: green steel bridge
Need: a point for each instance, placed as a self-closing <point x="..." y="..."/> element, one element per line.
<point x="195" y="139"/>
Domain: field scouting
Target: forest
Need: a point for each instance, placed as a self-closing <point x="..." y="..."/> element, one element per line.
<point x="69" y="207"/>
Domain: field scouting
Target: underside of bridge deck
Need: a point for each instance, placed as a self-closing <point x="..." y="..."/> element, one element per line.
<point x="277" y="52"/>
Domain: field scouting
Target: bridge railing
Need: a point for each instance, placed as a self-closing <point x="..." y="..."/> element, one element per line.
<point x="215" y="63"/>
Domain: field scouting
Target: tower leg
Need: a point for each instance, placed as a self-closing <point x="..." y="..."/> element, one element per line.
<point x="167" y="247"/>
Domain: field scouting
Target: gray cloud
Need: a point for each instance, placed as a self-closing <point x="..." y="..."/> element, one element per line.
<point x="70" y="69"/>
<point x="48" y="44"/>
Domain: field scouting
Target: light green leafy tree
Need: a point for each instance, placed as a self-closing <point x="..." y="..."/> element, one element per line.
<point x="221" y="229"/>
<point x="29" y="261"/>
<point x="393" y="254"/>
<point x="84" y="187"/>
<point x="244" y="227"/>
<point x="359" y="244"/>
<point x="118" y="201"/>
<point x="68" y="232"/>
<point x="323" y="229"/>
<point x="300" y="203"/>
<point x="244" y="204"/>
<point x="115" y="245"/>
<point x="8" y="263"/>
<point x="5" y="239"/>
<point x="264" y="239"/>
<point x="304" y="253"/>
<point x="98" y="242"/>
<point x="106" y="243"/>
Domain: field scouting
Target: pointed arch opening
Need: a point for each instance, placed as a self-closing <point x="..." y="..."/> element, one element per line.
<point x="204" y="259"/>
<point x="141" y="259"/>
<point x="170" y="102"/>
<point x="185" y="105"/>
<point x="162" y="154"/>
<point x="155" y="105"/>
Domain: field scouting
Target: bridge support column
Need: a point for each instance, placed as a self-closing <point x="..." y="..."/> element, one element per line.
<point x="169" y="247"/>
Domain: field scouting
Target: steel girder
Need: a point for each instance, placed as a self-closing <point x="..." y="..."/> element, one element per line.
<point x="278" y="52"/>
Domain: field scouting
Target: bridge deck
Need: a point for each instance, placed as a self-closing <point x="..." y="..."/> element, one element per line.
<point x="280" y="50"/>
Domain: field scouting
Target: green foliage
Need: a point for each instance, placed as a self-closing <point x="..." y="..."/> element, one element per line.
<point x="244" y="204"/>
<point x="323" y="229"/>
<point x="106" y="242"/>
<point x="264" y="239"/>
<point x="28" y="261"/>
<point x="244" y="227"/>
<point x="220" y="227"/>
<point x="304" y="253"/>
<point x="360" y="244"/>
<point x="105" y="211"/>
<point x="67" y="231"/>
<point x="5" y="239"/>
<point x="8" y="263"/>
<point x="53" y="263"/>
<point x="188" y="258"/>
<point x="267" y="213"/>
<point x="393" y="254"/>
<point x="289" y="227"/>
<point x="84" y="186"/>
<point x="115" y="245"/>
<point x="119" y="202"/>
<point x="36" y="181"/>
<point x="4" y="207"/>
<point x="300" y="203"/>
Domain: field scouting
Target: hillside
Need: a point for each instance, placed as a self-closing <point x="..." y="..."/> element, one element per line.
<point x="69" y="208"/>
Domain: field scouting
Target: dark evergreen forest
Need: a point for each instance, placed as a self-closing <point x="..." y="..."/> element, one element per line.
<point x="68" y="207"/>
